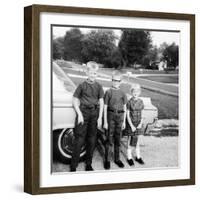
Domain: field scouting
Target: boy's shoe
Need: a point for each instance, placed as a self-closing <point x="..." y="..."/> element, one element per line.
<point x="89" y="168"/>
<point x="107" y="165"/>
<point x="139" y="160"/>
<point x="130" y="162"/>
<point x="119" y="163"/>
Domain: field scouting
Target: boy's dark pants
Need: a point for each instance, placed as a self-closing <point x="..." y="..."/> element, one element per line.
<point x="85" y="134"/>
<point x="113" y="135"/>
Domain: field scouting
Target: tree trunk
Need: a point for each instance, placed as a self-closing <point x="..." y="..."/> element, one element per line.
<point x="124" y="63"/>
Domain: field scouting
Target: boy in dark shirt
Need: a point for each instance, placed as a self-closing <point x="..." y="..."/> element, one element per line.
<point x="114" y="119"/>
<point x="88" y="104"/>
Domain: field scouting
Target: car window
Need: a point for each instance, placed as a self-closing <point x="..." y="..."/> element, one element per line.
<point x="65" y="81"/>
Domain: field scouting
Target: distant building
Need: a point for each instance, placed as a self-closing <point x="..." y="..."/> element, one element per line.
<point x="162" y="65"/>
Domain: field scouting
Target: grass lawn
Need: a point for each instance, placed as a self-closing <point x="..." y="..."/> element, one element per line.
<point x="162" y="79"/>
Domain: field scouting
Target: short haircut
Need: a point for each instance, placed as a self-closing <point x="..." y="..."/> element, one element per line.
<point x="135" y="86"/>
<point x="91" y="65"/>
<point x="116" y="73"/>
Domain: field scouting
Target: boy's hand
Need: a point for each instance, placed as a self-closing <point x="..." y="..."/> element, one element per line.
<point x="133" y="128"/>
<point x="99" y="123"/>
<point x="80" y="119"/>
<point x="105" y="126"/>
<point x="139" y="126"/>
<point x="123" y="125"/>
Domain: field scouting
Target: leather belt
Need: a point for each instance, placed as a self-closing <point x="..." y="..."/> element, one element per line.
<point x="115" y="111"/>
<point x="94" y="107"/>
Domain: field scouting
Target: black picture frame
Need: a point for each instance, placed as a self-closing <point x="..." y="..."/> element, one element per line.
<point x="32" y="94"/>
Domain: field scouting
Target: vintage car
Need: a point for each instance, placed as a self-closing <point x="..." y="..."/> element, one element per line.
<point x="63" y="115"/>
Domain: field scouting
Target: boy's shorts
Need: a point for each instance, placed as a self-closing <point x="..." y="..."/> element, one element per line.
<point x="134" y="140"/>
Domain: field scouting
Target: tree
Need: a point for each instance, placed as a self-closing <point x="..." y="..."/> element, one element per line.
<point x="58" y="48"/>
<point x="98" y="45"/>
<point x="115" y="59"/>
<point x="163" y="46"/>
<point x="134" y="45"/>
<point x="171" y="53"/>
<point x="73" y="45"/>
<point x="151" y="56"/>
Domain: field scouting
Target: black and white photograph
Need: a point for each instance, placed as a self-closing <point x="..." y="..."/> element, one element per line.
<point x="114" y="99"/>
<point x="111" y="99"/>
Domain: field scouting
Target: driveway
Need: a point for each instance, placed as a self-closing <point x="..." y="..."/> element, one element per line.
<point x="157" y="152"/>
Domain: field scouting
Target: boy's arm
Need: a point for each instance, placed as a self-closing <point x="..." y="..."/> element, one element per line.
<point x="99" y="122"/>
<point x="105" y="125"/>
<point x="129" y="120"/>
<point x="76" y="103"/>
<point x="141" y="122"/>
<point x="124" y="121"/>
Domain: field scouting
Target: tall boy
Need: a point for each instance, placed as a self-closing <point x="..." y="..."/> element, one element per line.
<point x="114" y="119"/>
<point x="88" y="104"/>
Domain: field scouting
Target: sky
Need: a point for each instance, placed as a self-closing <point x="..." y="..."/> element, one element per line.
<point x="158" y="37"/>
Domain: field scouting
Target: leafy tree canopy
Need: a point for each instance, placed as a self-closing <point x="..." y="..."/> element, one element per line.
<point x="98" y="45"/>
<point x="134" y="45"/>
<point x="73" y="44"/>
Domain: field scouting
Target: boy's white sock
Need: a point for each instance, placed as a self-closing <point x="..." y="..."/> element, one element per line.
<point x="137" y="151"/>
<point x="129" y="153"/>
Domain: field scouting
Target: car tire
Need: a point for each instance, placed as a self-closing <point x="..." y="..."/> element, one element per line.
<point x="63" y="140"/>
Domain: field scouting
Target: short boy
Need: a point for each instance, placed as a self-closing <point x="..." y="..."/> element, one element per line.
<point x="114" y="119"/>
<point x="88" y="104"/>
<point x="134" y="124"/>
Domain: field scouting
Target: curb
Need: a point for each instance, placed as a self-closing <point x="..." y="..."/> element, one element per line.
<point x="160" y="91"/>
